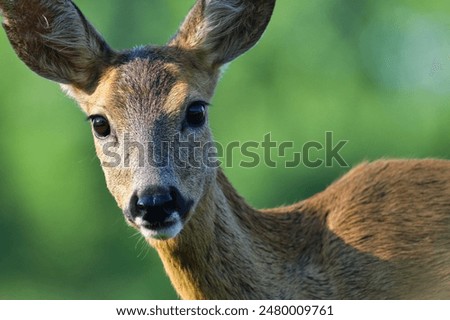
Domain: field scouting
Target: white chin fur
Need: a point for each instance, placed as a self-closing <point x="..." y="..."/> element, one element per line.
<point x="164" y="233"/>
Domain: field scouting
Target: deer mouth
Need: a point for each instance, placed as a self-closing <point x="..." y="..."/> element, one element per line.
<point x="161" y="230"/>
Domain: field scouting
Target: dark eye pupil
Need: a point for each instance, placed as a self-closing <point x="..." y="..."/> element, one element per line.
<point x="101" y="126"/>
<point x="196" y="114"/>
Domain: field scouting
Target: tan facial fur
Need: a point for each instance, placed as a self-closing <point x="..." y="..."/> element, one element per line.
<point x="380" y="232"/>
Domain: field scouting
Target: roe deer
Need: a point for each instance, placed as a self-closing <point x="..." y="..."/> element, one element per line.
<point x="380" y="232"/>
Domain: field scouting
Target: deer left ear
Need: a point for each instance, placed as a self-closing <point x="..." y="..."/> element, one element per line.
<point x="56" y="41"/>
<point x="221" y="30"/>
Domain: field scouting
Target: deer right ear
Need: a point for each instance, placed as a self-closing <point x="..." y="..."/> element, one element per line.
<point x="221" y="30"/>
<point x="56" y="41"/>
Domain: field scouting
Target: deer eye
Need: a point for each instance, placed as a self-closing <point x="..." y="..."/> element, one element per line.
<point x="101" y="126"/>
<point x="196" y="114"/>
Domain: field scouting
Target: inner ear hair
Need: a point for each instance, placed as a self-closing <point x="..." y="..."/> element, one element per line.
<point x="56" y="41"/>
<point x="224" y="29"/>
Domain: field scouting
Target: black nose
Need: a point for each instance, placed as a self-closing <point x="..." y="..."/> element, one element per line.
<point x="149" y="203"/>
<point x="155" y="205"/>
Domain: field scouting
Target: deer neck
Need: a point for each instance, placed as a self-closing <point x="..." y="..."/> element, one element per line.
<point x="214" y="256"/>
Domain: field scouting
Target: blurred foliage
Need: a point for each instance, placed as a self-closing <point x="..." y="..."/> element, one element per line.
<point x="376" y="73"/>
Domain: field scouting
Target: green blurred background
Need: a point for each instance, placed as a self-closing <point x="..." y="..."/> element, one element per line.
<point x="376" y="73"/>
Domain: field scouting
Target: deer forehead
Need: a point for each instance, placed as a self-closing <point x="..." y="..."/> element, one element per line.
<point x="147" y="84"/>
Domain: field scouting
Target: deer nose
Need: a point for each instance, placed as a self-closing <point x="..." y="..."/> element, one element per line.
<point x="149" y="203"/>
<point x="156" y="207"/>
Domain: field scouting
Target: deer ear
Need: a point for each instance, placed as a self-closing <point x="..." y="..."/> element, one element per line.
<point x="56" y="41"/>
<point x="223" y="29"/>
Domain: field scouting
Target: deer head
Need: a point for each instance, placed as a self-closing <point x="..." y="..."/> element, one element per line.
<point x="149" y="105"/>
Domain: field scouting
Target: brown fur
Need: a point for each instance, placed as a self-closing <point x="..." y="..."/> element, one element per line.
<point x="55" y="40"/>
<point x="223" y="30"/>
<point x="380" y="232"/>
<point x="371" y="235"/>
